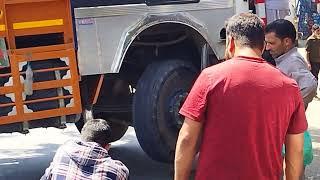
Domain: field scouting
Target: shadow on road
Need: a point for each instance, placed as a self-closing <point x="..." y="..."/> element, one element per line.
<point x="140" y="165"/>
<point x="36" y="159"/>
<point x="313" y="170"/>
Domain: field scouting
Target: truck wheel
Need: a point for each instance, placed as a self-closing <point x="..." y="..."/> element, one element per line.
<point x="117" y="129"/>
<point x="160" y="92"/>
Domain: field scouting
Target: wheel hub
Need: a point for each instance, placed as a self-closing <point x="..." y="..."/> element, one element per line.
<point x="176" y="104"/>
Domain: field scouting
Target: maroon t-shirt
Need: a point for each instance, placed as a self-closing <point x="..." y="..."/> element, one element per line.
<point x="247" y="107"/>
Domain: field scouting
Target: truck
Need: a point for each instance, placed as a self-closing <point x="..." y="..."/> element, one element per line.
<point x="129" y="62"/>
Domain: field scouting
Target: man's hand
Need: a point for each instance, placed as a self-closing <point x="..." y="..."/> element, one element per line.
<point x="294" y="156"/>
<point x="308" y="60"/>
<point x="186" y="148"/>
<point x="309" y="66"/>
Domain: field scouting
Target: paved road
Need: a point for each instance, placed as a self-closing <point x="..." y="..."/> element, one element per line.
<point x="26" y="156"/>
<point x="313" y="116"/>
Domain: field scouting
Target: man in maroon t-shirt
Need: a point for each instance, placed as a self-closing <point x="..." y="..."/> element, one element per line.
<point x="241" y="138"/>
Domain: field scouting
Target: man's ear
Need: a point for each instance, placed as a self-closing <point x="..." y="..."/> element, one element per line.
<point x="264" y="47"/>
<point x="232" y="45"/>
<point x="288" y="42"/>
<point x="107" y="147"/>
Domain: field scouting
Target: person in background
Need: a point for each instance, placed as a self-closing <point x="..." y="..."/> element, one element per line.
<point x="240" y="138"/>
<point x="277" y="9"/>
<point x="280" y="39"/>
<point x="87" y="158"/>
<point x="313" y="51"/>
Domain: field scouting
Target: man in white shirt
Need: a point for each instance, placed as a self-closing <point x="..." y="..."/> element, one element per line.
<point x="280" y="41"/>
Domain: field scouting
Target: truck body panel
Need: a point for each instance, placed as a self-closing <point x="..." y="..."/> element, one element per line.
<point x="102" y="49"/>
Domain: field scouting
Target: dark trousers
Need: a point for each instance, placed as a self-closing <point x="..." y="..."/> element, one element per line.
<point x="315" y="67"/>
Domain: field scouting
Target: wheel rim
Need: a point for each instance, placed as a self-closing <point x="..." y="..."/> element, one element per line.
<point x="156" y="117"/>
<point x="174" y="108"/>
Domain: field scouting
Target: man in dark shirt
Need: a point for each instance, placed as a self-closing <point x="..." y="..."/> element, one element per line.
<point x="241" y="139"/>
<point x="313" y="50"/>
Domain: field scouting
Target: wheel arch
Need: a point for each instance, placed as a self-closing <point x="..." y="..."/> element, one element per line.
<point x="182" y="19"/>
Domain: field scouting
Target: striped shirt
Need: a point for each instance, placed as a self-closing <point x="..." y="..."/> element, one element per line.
<point x="77" y="160"/>
<point x="293" y="65"/>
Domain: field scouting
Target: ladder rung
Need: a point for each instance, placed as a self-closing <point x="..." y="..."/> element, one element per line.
<point x="38" y="71"/>
<point x="59" y="47"/>
<point x="47" y="99"/>
<point x="6" y="105"/>
<point x="51" y="84"/>
<point x="40" y="115"/>
<point x="5" y="75"/>
<point x="6" y="90"/>
<point x="43" y="56"/>
<point x="48" y="70"/>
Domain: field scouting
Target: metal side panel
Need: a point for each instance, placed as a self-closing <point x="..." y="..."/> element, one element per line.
<point x="105" y="33"/>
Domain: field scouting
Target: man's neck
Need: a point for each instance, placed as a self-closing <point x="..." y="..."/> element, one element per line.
<point x="249" y="52"/>
<point x="280" y="58"/>
<point x="289" y="49"/>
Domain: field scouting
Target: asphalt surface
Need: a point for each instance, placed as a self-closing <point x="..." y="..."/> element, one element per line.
<point x="27" y="156"/>
<point x="313" y="116"/>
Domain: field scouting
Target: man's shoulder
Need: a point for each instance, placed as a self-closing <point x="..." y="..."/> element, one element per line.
<point x="294" y="56"/>
<point x="222" y="66"/>
<point x="116" y="167"/>
<point x="310" y="38"/>
<point x="289" y="82"/>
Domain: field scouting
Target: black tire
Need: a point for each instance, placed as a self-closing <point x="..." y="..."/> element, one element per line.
<point x="117" y="129"/>
<point x="159" y="94"/>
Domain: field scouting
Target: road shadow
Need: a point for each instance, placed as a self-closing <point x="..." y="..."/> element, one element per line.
<point x="37" y="159"/>
<point x="141" y="167"/>
<point x="27" y="156"/>
<point x="313" y="170"/>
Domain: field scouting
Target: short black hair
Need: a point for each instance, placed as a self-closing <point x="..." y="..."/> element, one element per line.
<point x="96" y="130"/>
<point x="247" y="29"/>
<point x="282" y="29"/>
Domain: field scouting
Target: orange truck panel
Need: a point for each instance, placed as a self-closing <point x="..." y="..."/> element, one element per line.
<point x="31" y="18"/>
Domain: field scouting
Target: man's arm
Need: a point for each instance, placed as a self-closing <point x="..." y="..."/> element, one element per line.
<point x="294" y="156"/>
<point x="308" y="54"/>
<point x="308" y="59"/>
<point x="121" y="169"/>
<point x="47" y="174"/>
<point x="186" y="148"/>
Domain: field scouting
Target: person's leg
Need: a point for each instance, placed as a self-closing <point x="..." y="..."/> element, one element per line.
<point x="315" y="67"/>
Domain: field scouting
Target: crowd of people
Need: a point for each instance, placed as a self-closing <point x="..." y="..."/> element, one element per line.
<point x="247" y="114"/>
